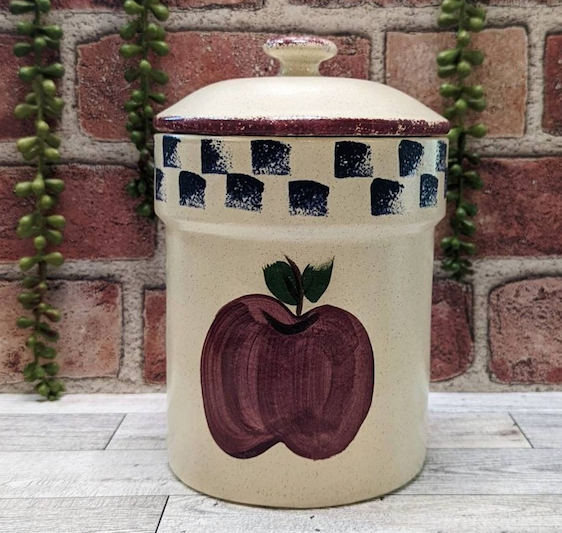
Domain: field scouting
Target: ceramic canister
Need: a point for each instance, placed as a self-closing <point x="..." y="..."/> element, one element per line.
<point x="299" y="213"/>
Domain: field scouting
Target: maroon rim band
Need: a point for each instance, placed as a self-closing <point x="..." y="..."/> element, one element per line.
<point x="316" y="127"/>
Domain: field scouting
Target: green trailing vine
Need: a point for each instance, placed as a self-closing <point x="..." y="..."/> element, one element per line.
<point x="147" y="37"/>
<point x="42" y="225"/>
<point x="457" y="64"/>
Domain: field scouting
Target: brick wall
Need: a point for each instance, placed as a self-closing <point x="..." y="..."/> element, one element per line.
<point x="500" y="332"/>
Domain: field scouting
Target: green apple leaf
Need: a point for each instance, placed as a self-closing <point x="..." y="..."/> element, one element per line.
<point x="280" y="280"/>
<point x="315" y="280"/>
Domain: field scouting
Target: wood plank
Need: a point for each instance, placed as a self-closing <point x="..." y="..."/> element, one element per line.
<point x="446" y="430"/>
<point x="156" y="403"/>
<point x="145" y="472"/>
<point x="139" y="514"/>
<point x="474" y="430"/>
<point x="523" y="471"/>
<point x="544" y="430"/>
<point x="84" y="403"/>
<point x="496" y="402"/>
<point x="141" y="431"/>
<point x="393" y="514"/>
<point x="85" y="474"/>
<point x="57" y="432"/>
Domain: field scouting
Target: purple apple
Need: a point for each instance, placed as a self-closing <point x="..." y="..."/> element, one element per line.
<point x="270" y="376"/>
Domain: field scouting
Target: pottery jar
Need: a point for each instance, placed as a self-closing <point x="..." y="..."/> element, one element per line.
<point x="299" y="214"/>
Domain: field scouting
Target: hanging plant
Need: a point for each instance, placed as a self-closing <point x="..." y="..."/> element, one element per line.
<point x="42" y="225"/>
<point x="457" y="64"/>
<point x="147" y="38"/>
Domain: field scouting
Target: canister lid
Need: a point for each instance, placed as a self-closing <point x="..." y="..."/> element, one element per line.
<point x="299" y="101"/>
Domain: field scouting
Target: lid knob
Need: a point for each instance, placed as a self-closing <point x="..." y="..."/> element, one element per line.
<point x="300" y="56"/>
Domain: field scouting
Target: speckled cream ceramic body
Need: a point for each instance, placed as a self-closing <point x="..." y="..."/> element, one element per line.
<point x="232" y="206"/>
<point x="299" y="215"/>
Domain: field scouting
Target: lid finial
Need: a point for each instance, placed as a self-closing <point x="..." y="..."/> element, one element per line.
<point x="300" y="55"/>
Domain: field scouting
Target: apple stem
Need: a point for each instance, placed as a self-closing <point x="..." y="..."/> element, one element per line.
<point x="300" y="287"/>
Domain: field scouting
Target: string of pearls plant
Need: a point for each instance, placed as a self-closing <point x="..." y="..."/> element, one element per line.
<point x="42" y="225"/>
<point x="147" y="37"/>
<point x="457" y="64"/>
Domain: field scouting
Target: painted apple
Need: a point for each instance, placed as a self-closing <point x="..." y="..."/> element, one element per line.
<point x="273" y="376"/>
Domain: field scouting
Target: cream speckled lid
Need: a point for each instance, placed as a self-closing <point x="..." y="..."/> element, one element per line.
<point x="299" y="101"/>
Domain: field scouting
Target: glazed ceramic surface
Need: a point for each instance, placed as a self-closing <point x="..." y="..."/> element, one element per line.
<point x="269" y="405"/>
<point x="299" y="215"/>
<point x="300" y="102"/>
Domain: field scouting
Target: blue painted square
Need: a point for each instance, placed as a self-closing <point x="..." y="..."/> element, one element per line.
<point x="410" y="154"/>
<point x="352" y="160"/>
<point x="441" y="162"/>
<point x="271" y="158"/>
<point x="308" y="198"/>
<point x="428" y="190"/>
<point x="214" y="157"/>
<point x="192" y="190"/>
<point x="385" y="197"/>
<point x="243" y="192"/>
<point x="159" y="185"/>
<point x="170" y="152"/>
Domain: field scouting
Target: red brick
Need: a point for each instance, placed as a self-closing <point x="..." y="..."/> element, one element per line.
<point x="90" y="343"/>
<point x="552" y="115"/>
<point x="184" y="4"/>
<point x="411" y="67"/>
<point x="155" y="336"/>
<point x="451" y="330"/>
<point x="525" y="333"/>
<point x="520" y="3"/>
<point x="101" y="222"/>
<point x="197" y="59"/>
<point x="412" y="3"/>
<point x="353" y="3"/>
<point x="520" y="208"/>
<point x="114" y="5"/>
<point x="100" y="5"/>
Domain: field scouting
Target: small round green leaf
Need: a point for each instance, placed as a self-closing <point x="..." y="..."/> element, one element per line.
<point x="53" y="31"/>
<point x="132" y="8"/>
<point x="129" y="30"/>
<point x="56" y="221"/>
<point x="22" y="49"/>
<point x="160" y="11"/>
<point x="27" y="263"/>
<point x="42" y="389"/>
<point x="19" y="7"/>
<point x="54" y="258"/>
<point x="56" y="70"/>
